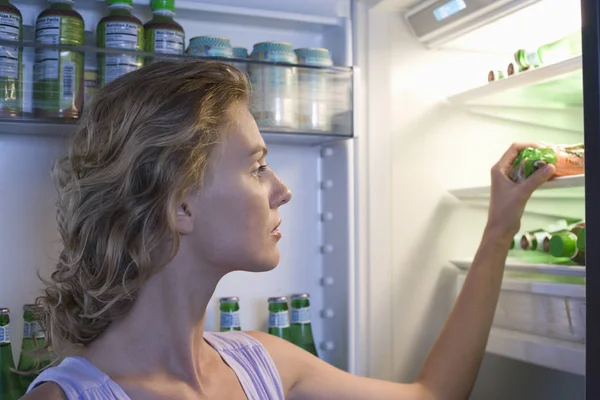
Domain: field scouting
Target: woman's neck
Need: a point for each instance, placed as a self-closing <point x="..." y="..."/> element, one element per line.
<point x="163" y="332"/>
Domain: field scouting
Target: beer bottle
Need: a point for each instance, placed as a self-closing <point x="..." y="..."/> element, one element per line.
<point x="34" y="354"/>
<point x="230" y="314"/>
<point x="9" y="385"/>
<point x="301" y="329"/>
<point x="279" y="318"/>
<point x="564" y="244"/>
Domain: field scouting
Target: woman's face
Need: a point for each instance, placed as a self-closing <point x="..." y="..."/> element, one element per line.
<point x="235" y="218"/>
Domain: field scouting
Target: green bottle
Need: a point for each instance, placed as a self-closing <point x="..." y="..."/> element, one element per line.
<point x="9" y="384"/>
<point x="162" y="34"/>
<point x="58" y="88"/>
<point x="279" y="318"/>
<point x="119" y="29"/>
<point x="34" y="355"/>
<point x="581" y="240"/>
<point x="230" y="314"/>
<point x="301" y="329"/>
<point x="10" y="68"/>
<point x="564" y="244"/>
<point x="569" y="46"/>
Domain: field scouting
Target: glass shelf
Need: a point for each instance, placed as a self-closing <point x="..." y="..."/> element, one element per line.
<point x="549" y="96"/>
<point x="292" y="103"/>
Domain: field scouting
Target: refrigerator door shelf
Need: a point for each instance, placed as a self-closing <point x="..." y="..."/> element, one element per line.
<point x="549" y="96"/>
<point x="518" y="266"/>
<point x="571" y="187"/>
<point x="541" y="323"/>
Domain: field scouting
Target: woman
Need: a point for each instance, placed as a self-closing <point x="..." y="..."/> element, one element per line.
<point x="165" y="189"/>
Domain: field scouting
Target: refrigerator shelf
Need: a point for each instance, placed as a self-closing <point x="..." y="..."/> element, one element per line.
<point x="549" y="96"/>
<point x="50" y="128"/>
<point x="574" y="183"/>
<point x="552" y="353"/>
<point x="516" y="265"/>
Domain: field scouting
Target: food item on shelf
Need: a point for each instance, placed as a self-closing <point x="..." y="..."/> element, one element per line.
<point x="279" y="318"/>
<point x="562" y="49"/>
<point x="531" y="240"/>
<point x="162" y="34"/>
<point x="9" y="384"/>
<point x="119" y="29"/>
<point x="568" y="160"/>
<point x="514" y="69"/>
<point x="274" y="99"/>
<point x="539" y="239"/>
<point x="314" y="90"/>
<point x="495" y="74"/>
<point x="34" y="353"/>
<point x="240" y="52"/>
<point x="58" y="86"/>
<point x="564" y="244"/>
<point x="230" y="314"/>
<point x="11" y="77"/>
<point x="210" y="46"/>
<point x="301" y="329"/>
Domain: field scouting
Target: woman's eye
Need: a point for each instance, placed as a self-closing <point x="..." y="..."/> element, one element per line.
<point x="260" y="169"/>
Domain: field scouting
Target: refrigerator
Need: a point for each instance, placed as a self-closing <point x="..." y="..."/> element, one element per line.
<point x="387" y="210"/>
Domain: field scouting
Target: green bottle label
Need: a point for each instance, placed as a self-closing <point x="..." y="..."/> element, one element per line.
<point x="230" y="319"/>
<point x="10" y="60"/>
<point x="33" y="329"/>
<point x="280" y="319"/>
<point x="165" y="41"/>
<point x="58" y="74"/>
<point x="5" y="334"/>
<point x="301" y="315"/>
<point x="122" y="35"/>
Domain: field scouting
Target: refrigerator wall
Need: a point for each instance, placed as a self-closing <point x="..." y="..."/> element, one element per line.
<point x="317" y="250"/>
<point x="437" y="146"/>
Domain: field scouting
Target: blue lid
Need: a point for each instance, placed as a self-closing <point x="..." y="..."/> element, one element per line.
<point x="314" y="56"/>
<point x="274" y="51"/>
<point x="212" y="41"/>
<point x="240" y="52"/>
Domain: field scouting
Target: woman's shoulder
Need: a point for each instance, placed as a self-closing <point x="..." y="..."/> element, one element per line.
<point x="46" y="391"/>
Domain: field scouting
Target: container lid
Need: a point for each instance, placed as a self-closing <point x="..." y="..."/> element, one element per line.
<point x="212" y="41"/>
<point x="240" y="52"/>
<point x="314" y="56"/>
<point x="280" y="299"/>
<point x="300" y="296"/>
<point x="563" y="244"/>
<point x="168" y="5"/>
<point x="232" y="299"/>
<point x="120" y="3"/>
<point x="274" y="51"/>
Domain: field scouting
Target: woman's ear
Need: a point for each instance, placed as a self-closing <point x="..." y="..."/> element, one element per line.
<point x="184" y="218"/>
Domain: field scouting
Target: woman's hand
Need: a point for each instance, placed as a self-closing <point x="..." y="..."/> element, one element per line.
<point x="508" y="198"/>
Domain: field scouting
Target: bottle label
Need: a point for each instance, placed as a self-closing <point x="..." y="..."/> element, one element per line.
<point x="5" y="334"/>
<point x="533" y="60"/>
<point x="33" y="330"/>
<point x="122" y="35"/>
<point x="58" y="74"/>
<point x="280" y="319"/>
<point x="301" y="315"/>
<point x="230" y="319"/>
<point x="9" y="55"/>
<point x="167" y="41"/>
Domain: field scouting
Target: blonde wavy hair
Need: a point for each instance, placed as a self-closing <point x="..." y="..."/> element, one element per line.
<point x="142" y="145"/>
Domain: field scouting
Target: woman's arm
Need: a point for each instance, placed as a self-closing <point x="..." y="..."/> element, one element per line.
<point x="452" y="365"/>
